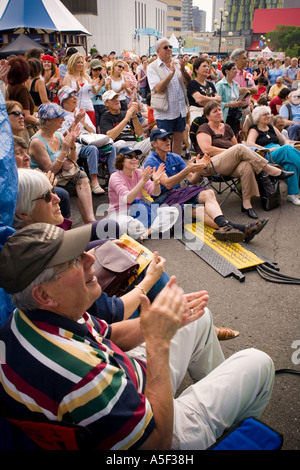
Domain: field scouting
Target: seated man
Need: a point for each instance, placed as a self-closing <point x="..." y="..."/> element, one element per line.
<point x="176" y="171"/>
<point x="61" y="364"/>
<point x="275" y="89"/>
<point x="290" y="111"/>
<point x="123" y="127"/>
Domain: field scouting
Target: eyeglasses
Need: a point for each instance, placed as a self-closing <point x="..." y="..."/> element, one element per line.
<point x="168" y="46"/>
<point x="74" y="262"/>
<point x="16" y="113"/>
<point x="47" y="196"/>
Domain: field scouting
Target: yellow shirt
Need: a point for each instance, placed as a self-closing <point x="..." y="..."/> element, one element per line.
<point x="274" y="90"/>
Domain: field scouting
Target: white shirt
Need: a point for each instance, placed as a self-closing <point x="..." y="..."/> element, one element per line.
<point x="176" y="98"/>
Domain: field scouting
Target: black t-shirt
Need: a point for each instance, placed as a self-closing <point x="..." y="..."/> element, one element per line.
<point x="206" y="90"/>
<point x="109" y="121"/>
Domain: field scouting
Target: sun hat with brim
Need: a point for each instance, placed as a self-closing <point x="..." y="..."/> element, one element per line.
<point x="50" y="111"/>
<point x="32" y="249"/>
<point x="48" y="57"/>
<point x="65" y="92"/>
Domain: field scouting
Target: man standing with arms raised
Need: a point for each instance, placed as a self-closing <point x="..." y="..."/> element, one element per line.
<point x="168" y="78"/>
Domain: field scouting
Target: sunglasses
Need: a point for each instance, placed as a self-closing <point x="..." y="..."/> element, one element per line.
<point x="47" y="196"/>
<point x="168" y="47"/>
<point x="167" y="137"/>
<point x="16" y="113"/>
<point x="120" y="66"/>
<point x="131" y="156"/>
<point x="98" y="69"/>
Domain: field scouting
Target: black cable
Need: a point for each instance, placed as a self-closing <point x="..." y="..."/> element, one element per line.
<point x="272" y="275"/>
<point x="287" y="371"/>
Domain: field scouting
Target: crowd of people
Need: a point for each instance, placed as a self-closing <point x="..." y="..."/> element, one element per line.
<point x="113" y="364"/>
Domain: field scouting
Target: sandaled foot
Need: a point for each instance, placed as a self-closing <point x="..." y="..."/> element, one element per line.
<point x="97" y="189"/>
<point x="224" y="333"/>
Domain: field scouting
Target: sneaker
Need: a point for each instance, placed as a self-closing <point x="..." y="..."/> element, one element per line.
<point x="229" y="234"/>
<point x="294" y="199"/>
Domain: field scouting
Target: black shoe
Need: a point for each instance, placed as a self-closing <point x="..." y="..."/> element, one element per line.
<point x="251" y="231"/>
<point x="229" y="234"/>
<point x="250" y="212"/>
<point x="284" y="175"/>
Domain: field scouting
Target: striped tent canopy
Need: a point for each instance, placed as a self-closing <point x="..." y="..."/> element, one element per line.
<point x="41" y="15"/>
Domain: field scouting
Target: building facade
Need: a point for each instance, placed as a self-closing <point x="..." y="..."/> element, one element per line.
<point x="199" y="20"/>
<point x="121" y="26"/>
<point x="174" y="17"/>
<point x="237" y="19"/>
<point x="187" y="15"/>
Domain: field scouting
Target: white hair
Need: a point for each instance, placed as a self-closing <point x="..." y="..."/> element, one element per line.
<point x="236" y="54"/>
<point x="23" y="299"/>
<point x="259" y="111"/>
<point x="31" y="185"/>
<point x="160" y="42"/>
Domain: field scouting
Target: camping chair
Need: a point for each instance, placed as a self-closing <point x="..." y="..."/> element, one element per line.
<point x="103" y="172"/>
<point x="219" y="183"/>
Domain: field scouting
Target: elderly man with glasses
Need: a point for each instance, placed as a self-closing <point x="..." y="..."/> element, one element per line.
<point x="118" y="380"/>
<point x="290" y="111"/>
<point x="168" y="79"/>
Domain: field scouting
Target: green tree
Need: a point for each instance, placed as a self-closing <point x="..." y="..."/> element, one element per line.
<point x="285" y="38"/>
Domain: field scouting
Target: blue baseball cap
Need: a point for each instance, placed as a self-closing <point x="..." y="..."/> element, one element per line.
<point x="159" y="134"/>
<point x="128" y="150"/>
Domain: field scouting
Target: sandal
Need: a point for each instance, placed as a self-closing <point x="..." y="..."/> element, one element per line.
<point x="224" y="333"/>
<point x="97" y="189"/>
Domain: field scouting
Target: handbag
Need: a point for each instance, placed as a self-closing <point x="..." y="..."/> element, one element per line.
<point x="72" y="175"/>
<point x="99" y="140"/>
<point x="269" y="190"/>
<point x="113" y="268"/>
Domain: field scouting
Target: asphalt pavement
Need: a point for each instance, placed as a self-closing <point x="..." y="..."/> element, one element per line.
<point x="266" y="314"/>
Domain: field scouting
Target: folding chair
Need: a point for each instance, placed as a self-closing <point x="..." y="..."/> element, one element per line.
<point x="103" y="172"/>
<point x="219" y="183"/>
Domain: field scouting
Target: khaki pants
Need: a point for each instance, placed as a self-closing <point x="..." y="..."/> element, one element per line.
<point x="224" y="392"/>
<point x="240" y="162"/>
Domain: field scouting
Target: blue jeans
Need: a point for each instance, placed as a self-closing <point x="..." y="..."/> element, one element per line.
<point x="90" y="153"/>
<point x="293" y="131"/>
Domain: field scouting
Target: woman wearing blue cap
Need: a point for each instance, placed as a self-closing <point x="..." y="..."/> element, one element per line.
<point x="51" y="151"/>
<point x="126" y="189"/>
